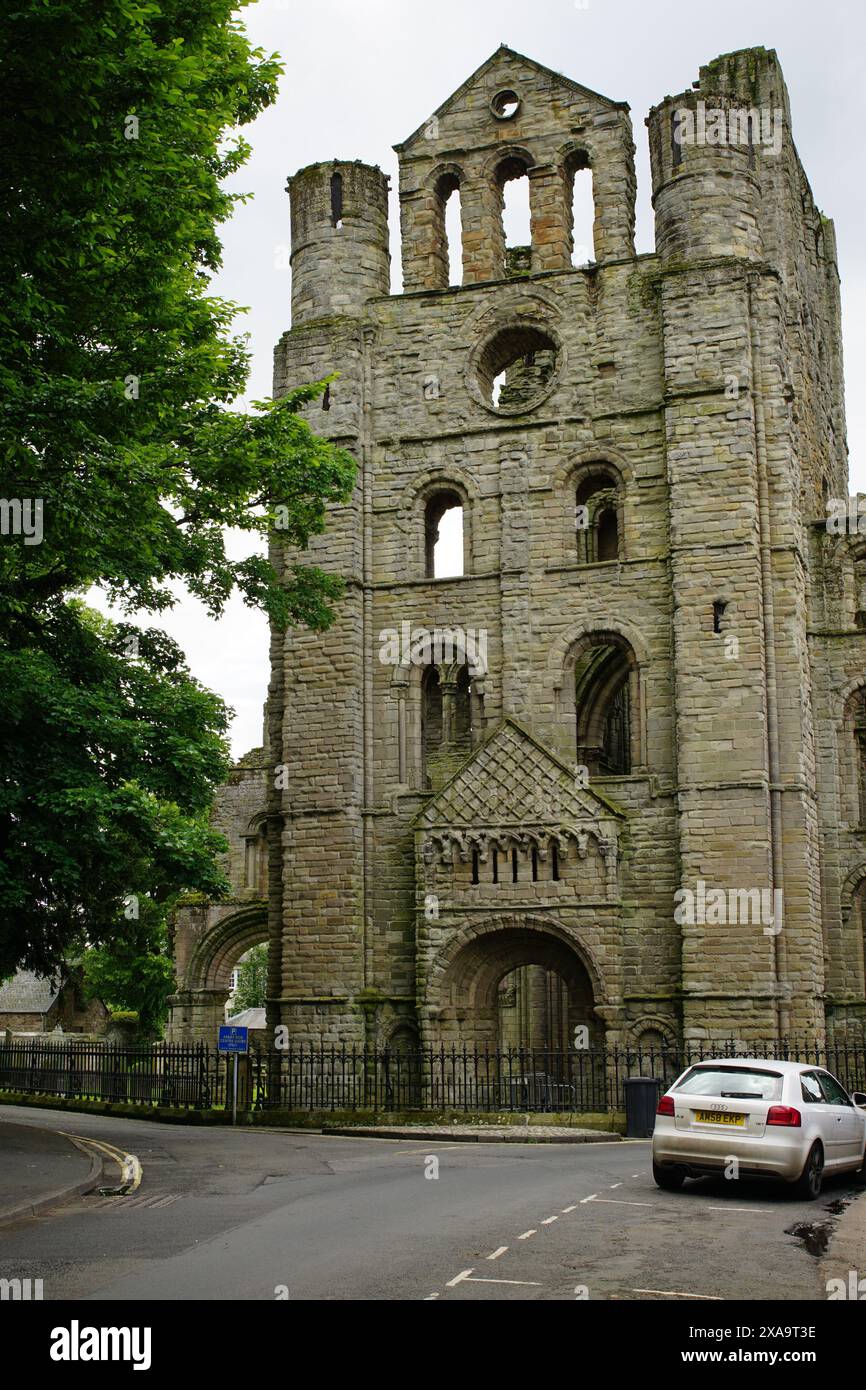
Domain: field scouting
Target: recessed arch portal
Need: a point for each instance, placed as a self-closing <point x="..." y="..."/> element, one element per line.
<point x="465" y="983"/>
<point x="208" y="943"/>
<point x="220" y="948"/>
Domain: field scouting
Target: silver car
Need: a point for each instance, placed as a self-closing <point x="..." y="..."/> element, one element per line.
<point x="783" y="1120"/>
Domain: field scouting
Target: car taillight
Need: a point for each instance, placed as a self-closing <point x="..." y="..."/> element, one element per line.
<point x="784" y="1115"/>
<point x="666" y="1106"/>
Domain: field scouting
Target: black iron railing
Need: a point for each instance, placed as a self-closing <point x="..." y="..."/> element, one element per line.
<point x="164" y="1074"/>
<point x="333" y="1078"/>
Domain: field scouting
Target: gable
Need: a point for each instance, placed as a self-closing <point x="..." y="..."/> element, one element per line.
<point x="513" y="780"/>
<point x="502" y="67"/>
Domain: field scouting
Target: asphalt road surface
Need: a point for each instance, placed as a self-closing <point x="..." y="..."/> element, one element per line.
<point x="36" y="1161"/>
<point x="257" y="1214"/>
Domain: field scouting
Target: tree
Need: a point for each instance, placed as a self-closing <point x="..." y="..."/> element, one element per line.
<point x="109" y="762"/>
<point x="252" y="980"/>
<point x="136" y="971"/>
<point x="121" y="462"/>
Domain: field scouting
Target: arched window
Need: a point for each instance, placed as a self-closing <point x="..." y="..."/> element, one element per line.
<point x="431" y="716"/>
<point x="462" y="731"/>
<point x="852" y="755"/>
<point x="443" y="535"/>
<point x="449" y="239"/>
<point x="859" y="731"/>
<point x="597" y="517"/>
<point x="449" y="713"/>
<point x="602" y="695"/>
<point x="860" y="591"/>
<point x="512" y="178"/>
<point x="337" y="200"/>
<point x="607" y="534"/>
<point x="256" y="859"/>
<point x="581" y="208"/>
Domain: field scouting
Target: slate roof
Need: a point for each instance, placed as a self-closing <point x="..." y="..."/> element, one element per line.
<point x="248" y="1018"/>
<point x="28" y="993"/>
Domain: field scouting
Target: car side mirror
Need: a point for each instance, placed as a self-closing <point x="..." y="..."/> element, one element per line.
<point x="858" y="1097"/>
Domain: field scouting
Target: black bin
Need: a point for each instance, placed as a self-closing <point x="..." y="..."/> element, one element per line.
<point x="641" y="1099"/>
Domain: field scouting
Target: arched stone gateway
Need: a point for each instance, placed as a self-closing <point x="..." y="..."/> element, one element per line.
<point x="463" y="988"/>
<point x="208" y="943"/>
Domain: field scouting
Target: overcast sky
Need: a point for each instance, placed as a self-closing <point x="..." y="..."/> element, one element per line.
<point x="363" y="74"/>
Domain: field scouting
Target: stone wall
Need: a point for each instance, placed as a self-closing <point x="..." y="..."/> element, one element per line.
<point x="698" y="391"/>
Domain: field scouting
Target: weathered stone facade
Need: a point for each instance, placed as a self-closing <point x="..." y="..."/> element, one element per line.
<point x="650" y="676"/>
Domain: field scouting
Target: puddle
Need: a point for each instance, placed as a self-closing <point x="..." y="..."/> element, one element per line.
<point x="815" y="1235"/>
<point x="836" y="1208"/>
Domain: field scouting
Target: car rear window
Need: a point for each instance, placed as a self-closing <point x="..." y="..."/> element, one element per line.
<point x="738" y="1083"/>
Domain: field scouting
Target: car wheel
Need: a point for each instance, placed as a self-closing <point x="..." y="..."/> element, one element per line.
<point x="808" y="1185"/>
<point x="669" y="1179"/>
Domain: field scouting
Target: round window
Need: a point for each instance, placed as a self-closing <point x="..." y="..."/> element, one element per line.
<point x="505" y="105"/>
<point x="514" y="369"/>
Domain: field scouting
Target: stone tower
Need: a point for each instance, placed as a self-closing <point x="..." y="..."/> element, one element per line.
<point x="610" y="773"/>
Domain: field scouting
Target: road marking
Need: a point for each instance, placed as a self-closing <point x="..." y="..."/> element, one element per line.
<point x="117" y="1201"/>
<point x="758" y="1211"/>
<point x="430" y="1297"/>
<point x="617" y="1202"/>
<point x="566" y="1210"/>
<point x="526" y="1235"/>
<point x="548" y="1221"/>
<point x="501" y="1251"/>
<point x="526" y="1283"/>
<point x="615" y="1184"/>
<point x="458" y="1279"/>
<point x="131" y="1171"/>
<point x="583" y="1201"/>
<point x="669" y="1293"/>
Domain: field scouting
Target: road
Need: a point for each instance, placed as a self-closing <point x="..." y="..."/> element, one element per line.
<point x="258" y="1214"/>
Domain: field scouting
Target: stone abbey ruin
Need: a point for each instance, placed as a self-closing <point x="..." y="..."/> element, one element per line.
<point x="612" y="776"/>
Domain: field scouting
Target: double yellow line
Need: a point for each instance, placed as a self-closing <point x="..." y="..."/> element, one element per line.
<point x="131" y="1171"/>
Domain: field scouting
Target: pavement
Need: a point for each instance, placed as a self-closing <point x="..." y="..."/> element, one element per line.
<point x="843" y="1268"/>
<point x="250" y="1214"/>
<point x="39" y="1168"/>
<point x="481" y="1134"/>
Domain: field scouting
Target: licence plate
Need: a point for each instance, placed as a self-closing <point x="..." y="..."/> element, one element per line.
<point x="719" y="1117"/>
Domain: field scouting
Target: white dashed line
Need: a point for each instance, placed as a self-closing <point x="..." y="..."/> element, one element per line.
<point x="583" y="1201"/>
<point x="617" y="1202"/>
<point x="527" y="1283"/>
<point x="615" y="1184"/>
<point x="757" y="1211"/>
<point x="566" y="1210"/>
<point x="458" y="1278"/>
<point x="430" y="1297"/>
<point x="501" y="1251"/>
<point x="669" y="1293"/>
<point x="526" y="1235"/>
<point x="549" y="1220"/>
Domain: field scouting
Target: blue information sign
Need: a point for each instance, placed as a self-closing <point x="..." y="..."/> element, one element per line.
<point x="233" y="1038"/>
